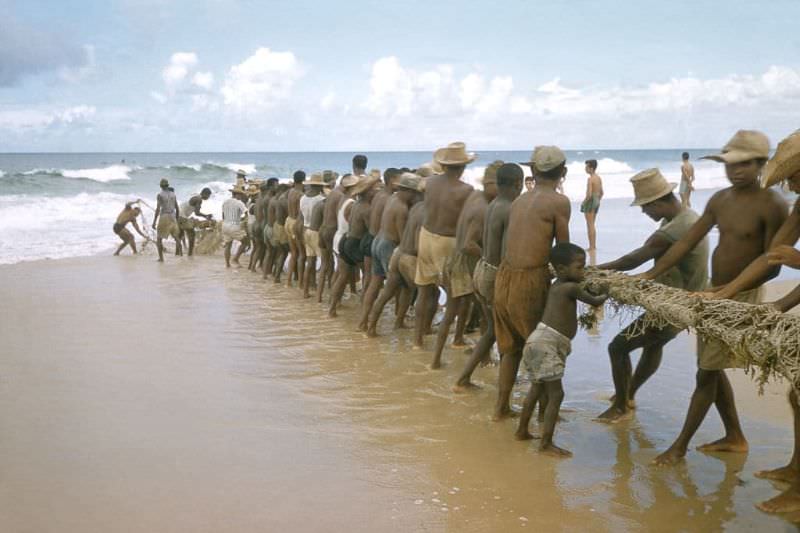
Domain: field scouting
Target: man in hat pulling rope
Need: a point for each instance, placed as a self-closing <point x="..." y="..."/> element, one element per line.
<point x="747" y="218"/>
<point x="656" y="198"/>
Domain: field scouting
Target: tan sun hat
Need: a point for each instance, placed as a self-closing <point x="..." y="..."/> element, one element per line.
<point x="785" y="163"/>
<point x="745" y="145"/>
<point x="650" y="185"/>
<point x="349" y="180"/>
<point x="364" y="184"/>
<point x="422" y="184"/>
<point x="375" y="173"/>
<point x="454" y="154"/>
<point x="409" y="181"/>
<point x="316" y="179"/>
<point x="425" y="170"/>
<point x="238" y="188"/>
<point x="546" y="158"/>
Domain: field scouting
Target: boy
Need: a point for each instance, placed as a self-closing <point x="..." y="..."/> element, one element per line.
<point x="687" y="180"/>
<point x="747" y="218"/>
<point x="548" y="346"/>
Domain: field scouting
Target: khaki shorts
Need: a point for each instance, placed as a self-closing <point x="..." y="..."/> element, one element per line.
<point x="233" y="232"/>
<point x="405" y="265"/>
<point x="459" y="270"/>
<point x="289" y="226"/>
<point x="545" y="353"/>
<point x="279" y="236"/>
<point x="713" y="354"/>
<point x="483" y="280"/>
<point x="432" y="254"/>
<point x="167" y="226"/>
<point x="311" y="239"/>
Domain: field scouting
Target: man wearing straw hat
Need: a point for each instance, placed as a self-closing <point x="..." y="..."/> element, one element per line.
<point x="233" y="212"/>
<point x="310" y="199"/>
<point x="656" y="198"/>
<point x="783" y="167"/>
<point x="445" y="196"/>
<point x="330" y="227"/>
<point x="747" y="218"/>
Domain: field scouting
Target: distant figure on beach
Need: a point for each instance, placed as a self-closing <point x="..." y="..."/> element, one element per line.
<point x="591" y="203"/>
<point x="297" y="253"/>
<point x="509" y="186"/>
<point x="445" y="195"/>
<point x="128" y="214"/>
<point x="234" y="212"/>
<point x="189" y="213"/>
<point x="687" y="180"/>
<point x="747" y="218"/>
<point x="656" y="199"/>
<point x="536" y="219"/>
<point x="547" y="348"/>
<point x="165" y="220"/>
<point x="528" y="183"/>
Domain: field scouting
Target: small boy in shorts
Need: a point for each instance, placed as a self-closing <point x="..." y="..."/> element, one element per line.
<point x="547" y="348"/>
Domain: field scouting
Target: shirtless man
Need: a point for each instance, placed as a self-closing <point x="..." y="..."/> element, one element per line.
<point x="747" y="218"/>
<point x="536" y="219"/>
<point x="509" y="185"/>
<point x="687" y="180"/>
<point x="269" y="249"/>
<point x="351" y="250"/>
<point x="656" y="199"/>
<point x="330" y="228"/>
<point x="281" y="203"/>
<point x="297" y="254"/>
<point x="379" y="266"/>
<point x="461" y="264"/>
<point x="165" y="220"/>
<point x="259" y="213"/>
<point x="128" y="214"/>
<point x="402" y="268"/>
<point x="591" y="203"/>
<point x="445" y="196"/>
<point x="187" y="221"/>
<point x="310" y="199"/>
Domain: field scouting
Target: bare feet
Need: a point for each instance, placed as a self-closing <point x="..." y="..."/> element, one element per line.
<point x="725" y="444"/>
<point x="670" y="457"/>
<point x="612" y="415"/>
<point x="783" y="503"/>
<point x="460" y="388"/>
<point x="555" y="451"/>
<point x="371" y="332"/>
<point x="332" y="313"/>
<point x="523" y="434"/>
<point x="785" y="473"/>
<point x="631" y="402"/>
<point x="459" y="343"/>
<point x="505" y="413"/>
<point x="401" y="325"/>
<point x="436" y="365"/>
<point x="362" y="327"/>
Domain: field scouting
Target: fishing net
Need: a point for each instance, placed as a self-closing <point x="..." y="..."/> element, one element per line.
<point x="766" y="341"/>
<point x="208" y="237"/>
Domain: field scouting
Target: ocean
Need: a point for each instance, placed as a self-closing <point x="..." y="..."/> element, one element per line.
<point x="63" y="205"/>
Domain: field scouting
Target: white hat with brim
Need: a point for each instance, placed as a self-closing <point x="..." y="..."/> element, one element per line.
<point x="650" y="185"/>
<point x="745" y="145"/>
<point x="785" y="163"/>
<point x="453" y="155"/>
<point x="316" y="179"/>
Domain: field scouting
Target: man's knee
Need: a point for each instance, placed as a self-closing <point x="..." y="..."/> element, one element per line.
<point x="618" y="347"/>
<point x="706" y="378"/>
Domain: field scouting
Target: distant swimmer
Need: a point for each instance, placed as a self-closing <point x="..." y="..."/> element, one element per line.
<point x="165" y="221"/>
<point x="591" y="203"/>
<point x="687" y="180"/>
<point x="127" y="215"/>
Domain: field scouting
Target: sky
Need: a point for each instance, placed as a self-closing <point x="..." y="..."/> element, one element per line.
<point x="236" y="75"/>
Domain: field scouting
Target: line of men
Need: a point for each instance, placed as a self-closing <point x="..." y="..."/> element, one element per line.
<point x="417" y="232"/>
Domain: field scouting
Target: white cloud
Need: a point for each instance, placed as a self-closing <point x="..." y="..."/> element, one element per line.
<point x="178" y="68"/>
<point x="158" y="97"/>
<point x="327" y="101"/>
<point x="33" y="118"/>
<point x="261" y="81"/>
<point x="203" y="80"/>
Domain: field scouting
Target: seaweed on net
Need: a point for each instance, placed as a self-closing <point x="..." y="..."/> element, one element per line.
<point x="764" y="340"/>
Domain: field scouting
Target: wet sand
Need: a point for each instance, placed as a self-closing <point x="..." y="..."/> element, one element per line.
<point x="183" y="397"/>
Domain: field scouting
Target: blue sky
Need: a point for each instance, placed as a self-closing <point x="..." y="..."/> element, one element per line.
<point x="158" y="75"/>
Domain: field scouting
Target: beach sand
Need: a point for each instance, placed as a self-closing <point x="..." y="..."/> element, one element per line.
<point x="136" y="396"/>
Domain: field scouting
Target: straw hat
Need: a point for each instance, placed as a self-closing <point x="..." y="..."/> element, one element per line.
<point x="241" y="172"/>
<point x="238" y="189"/>
<point x="409" y="181"/>
<point x="785" y="163"/>
<point x="364" y="184"/>
<point x="316" y="179"/>
<point x="546" y="158"/>
<point x="375" y="173"/>
<point x="746" y="145"/>
<point x="454" y="154"/>
<point x="253" y="189"/>
<point x="349" y="180"/>
<point x="650" y="185"/>
<point x="422" y="184"/>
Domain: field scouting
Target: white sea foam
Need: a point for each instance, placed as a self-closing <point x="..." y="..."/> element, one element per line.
<point x="247" y="167"/>
<point x="2" y="173"/>
<point x="105" y="174"/>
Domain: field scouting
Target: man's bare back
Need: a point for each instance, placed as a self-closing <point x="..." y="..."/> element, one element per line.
<point x="332" y="204"/>
<point x="495" y="229"/>
<point x="536" y="218"/>
<point x="395" y="215"/>
<point x="408" y="244"/>
<point x="469" y="230"/>
<point x="359" y="218"/>
<point x="444" y="200"/>
<point x="379" y="202"/>
<point x="282" y="208"/>
<point x="293" y="199"/>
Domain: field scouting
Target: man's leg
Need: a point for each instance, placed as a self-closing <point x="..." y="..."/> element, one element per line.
<point x="509" y="366"/>
<point x="280" y="261"/>
<point x="310" y="271"/>
<point x="292" y="270"/>
<point x="555" y="394"/>
<point x="190" y="235"/>
<point x="375" y="285"/>
<point x="327" y="260"/>
<point x="338" y="287"/>
<point x="462" y="317"/>
<point x="734" y="439"/>
<point x="452" y="308"/>
<point x="480" y="353"/>
<point x="403" y="303"/>
<point x="239" y="251"/>
<point x="790" y="499"/>
<point x="390" y="289"/>
<point x="160" y="248"/>
<point x="523" y="433"/>
<point x="427" y="294"/>
<point x="228" y="246"/>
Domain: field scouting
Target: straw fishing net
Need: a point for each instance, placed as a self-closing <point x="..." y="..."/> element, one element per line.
<point x="208" y="237"/>
<point x="765" y="340"/>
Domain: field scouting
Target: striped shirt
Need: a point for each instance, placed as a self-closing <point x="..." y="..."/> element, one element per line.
<point x="232" y="211"/>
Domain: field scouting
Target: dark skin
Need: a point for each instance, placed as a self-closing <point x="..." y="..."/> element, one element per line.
<point x="445" y="196"/>
<point x="393" y="220"/>
<point x="326" y="233"/>
<point x="297" y="254"/>
<point x="196" y="202"/>
<point x="310" y="271"/>
<point x="281" y="212"/>
<point x="396" y="284"/>
<point x="359" y="221"/>
<point x="128" y="215"/>
<point x="469" y="241"/>
<point x="747" y="217"/>
<point x="627" y="383"/>
<point x="560" y="313"/>
<point x="536" y="219"/>
<point x="494" y="228"/>
<point x="260" y="211"/>
<point x="159" y="243"/>
<point x="269" y="221"/>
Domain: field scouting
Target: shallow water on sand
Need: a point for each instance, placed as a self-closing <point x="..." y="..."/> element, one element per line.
<point x="188" y="397"/>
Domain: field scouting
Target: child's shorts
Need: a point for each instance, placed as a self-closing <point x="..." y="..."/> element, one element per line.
<point x="545" y="353"/>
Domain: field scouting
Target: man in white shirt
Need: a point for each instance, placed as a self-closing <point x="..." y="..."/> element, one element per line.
<point x="311" y="237"/>
<point x="234" y="211"/>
